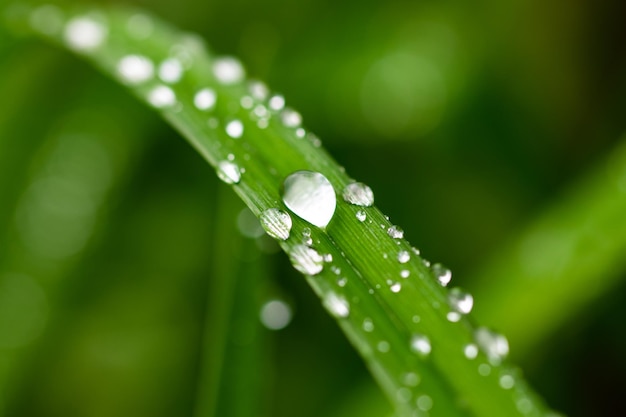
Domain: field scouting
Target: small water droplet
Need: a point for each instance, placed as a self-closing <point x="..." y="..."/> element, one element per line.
<point x="453" y="316"/>
<point x="275" y="314"/>
<point x="162" y="97"/>
<point x="507" y="381"/>
<point x="276" y="223"/>
<point x="328" y="258"/>
<point x="335" y="270"/>
<point x="260" y="111"/>
<point x="416" y="319"/>
<point x="403" y="395"/>
<point x="135" y="69"/>
<point x="277" y="102"/>
<point x="383" y="346"/>
<point x="358" y="194"/>
<point x="368" y="325"/>
<point x="205" y="99"/>
<point x="228" y="70"/>
<point x="361" y="216"/>
<point x="310" y="196"/>
<point x="493" y="344"/>
<point x="337" y="305"/>
<point x="83" y="34"/>
<point x="484" y="369"/>
<point x="395" y="232"/>
<point x="470" y="351"/>
<point x="342" y="281"/>
<point x="395" y="287"/>
<point x="229" y="172"/>
<point x="442" y="274"/>
<point x="411" y="379"/>
<point x="420" y="344"/>
<point x="460" y="300"/>
<point x="258" y="90"/>
<point x="171" y="70"/>
<point x="424" y="402"/>
<point x="306" y="260"/>
<point x="405" y="273"/>
<point x="300" y="132"/>
<point x="403" y="257"/>
<point x="290" y="118"/>
<point x="234" y="129"/>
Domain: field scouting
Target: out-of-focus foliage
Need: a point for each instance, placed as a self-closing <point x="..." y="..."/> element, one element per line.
<point x="110" y="230"/>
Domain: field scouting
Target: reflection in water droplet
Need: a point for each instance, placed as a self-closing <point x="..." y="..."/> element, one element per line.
<point x="405" y="273"/>
<point x="395" y="232"/>
<point x="229" y="172"/>
<point x="404" y="257"/>
<point x="361" y="216"/>
<point x="135" y="69"/>
<point x="507" y="381"/>
<point x="411" y="379"/>
<point x="368" y="325"/>
<point x="395" y="287"/>
<point x="306" y="260"/>
<point x="277" y="103"/>
<point x="460" y="300"/>
<point x="358" y="194"/>
<point x="161" y="97"/>
<point x="276" y="223"/>
<point x="470" y="351"/>
<point x="310" y="196"/>
<point x="205" y="99"/>
<point x="234" y="129"/>
<point x="83" y="34"/>
<point x="383" y="346"/>
<point x="258" y="90"/>
<point x="493" y="344"/>
<point x="337" y="305"/>
<point x="424" y="402"/>
<point x="275" y="314"/>
<point x="420" y="344"/>
<point x="442" y="274"/>
<point x="290" y="118"/>
<point x="228" y="70"/>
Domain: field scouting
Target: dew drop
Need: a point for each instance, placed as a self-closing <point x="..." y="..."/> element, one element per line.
<point x="507" y="381"/>
<point x="275" y="314"/>
<point x="424" y="402"/>
<point x="310" y="196"/>
<point x="306" y="260"/>
<point x="337" y="305"/>
<point x="460" y="300"/>
<point x="442" y="274"/>
<point x="171" y="70"/>
<point x="276" y="223"/>
<point x="161" y="97"/>
<point x="358" y="194"/>
<point x="395" y="287"/>
<point x="290" y="118"/>
<point x="383" y="346"/>
<point x="470" y="351"/>
<point x="493" y="344"/>
<point x="420" y="344"/>
<point x="229" y="172"/>
<point x="368" y="325"/>
<point x="228" y="70"/>
<point x="135" y="69"/>
<point x="361" y="216"/>
<point x="234" y="129"/>
<point x="258" y="90"/>
<point x="411" y="379"/>
<point x="342" y="281"/>
<point x="484" y="369"/>
<point x="403" y="395"/>
<point x="205" y="99"/>
<point x="395" y="232"/>
<point x="300" y="132"/>
<point x="277" y="102"/>
<point x="405" y="273"/>
<point x="453" y="316"/>
<point x="84" y="34"/>
<point x="403" y="256"/>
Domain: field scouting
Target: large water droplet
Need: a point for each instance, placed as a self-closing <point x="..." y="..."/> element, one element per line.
<point x="306" y="260"/>
<point x="276" y="223"/>
<point x="460" y="300"/>
<point x="337" y="305"/>
<point x="420" y="344"/>
<point x="228" y="172"/>
<point x="442" y="274"/>
<point x="358" y="194"/>
<point x="493" y="344"/>
<point x="84" y="34"/>
<point x="310" y="196"/>
<point x="135" y="69"/>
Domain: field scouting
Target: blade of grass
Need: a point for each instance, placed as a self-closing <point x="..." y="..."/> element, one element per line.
<point x="566" y="258"/>
<point x="404" y="316"/>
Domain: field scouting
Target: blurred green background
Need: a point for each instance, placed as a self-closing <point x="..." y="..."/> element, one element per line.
<point x="128" y="289"/>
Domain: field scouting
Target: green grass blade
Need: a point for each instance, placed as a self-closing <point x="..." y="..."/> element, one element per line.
<point x="356" y="267"/>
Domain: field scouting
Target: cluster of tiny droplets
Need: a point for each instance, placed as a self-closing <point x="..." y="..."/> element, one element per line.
<point x="87" y="34"/>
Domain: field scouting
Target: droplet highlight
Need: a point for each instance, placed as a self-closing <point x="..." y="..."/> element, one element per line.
<point x="276" y="223"/>
<point x="358" y="194"/>
<point x="442" y="274"/>
<point x="229" y="172"/>
<point x="310" y="196"/>
<point x="306" y="260"/>
<point x="420" y="344"/>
